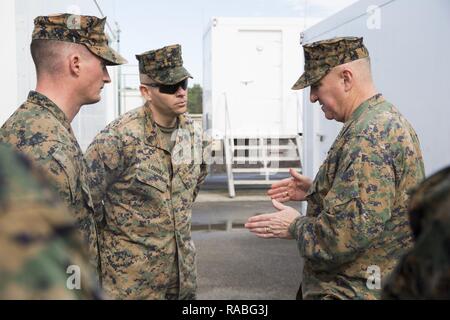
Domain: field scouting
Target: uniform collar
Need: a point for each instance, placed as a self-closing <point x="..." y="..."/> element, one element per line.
<point x="151" y="129"/>
<point x="363" y="108"/>
<point x="375" y="100"/>
<point x="42" y="101"/>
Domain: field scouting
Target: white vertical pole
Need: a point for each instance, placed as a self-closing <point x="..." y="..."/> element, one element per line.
<point x="8" y="60"/>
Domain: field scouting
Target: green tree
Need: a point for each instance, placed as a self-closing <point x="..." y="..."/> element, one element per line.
<point x="195" y="99"/>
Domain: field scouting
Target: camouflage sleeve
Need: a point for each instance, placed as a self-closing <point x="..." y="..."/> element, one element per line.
<point x="104" y="158"/>
<point x="54" y="158"/>
<point x="205" y="162"/>
<point x="355" y="210"/>
<point x="203" y="174"/>
<point x="38" y="238"/>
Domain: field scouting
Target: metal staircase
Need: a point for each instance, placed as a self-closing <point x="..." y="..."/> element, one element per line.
<point x="260" y="160"/>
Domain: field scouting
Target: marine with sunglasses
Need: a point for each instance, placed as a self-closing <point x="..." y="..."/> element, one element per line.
<point x="146" y="169"/>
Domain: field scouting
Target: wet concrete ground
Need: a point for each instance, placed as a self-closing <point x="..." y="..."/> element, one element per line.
<point x="235" y="264"/>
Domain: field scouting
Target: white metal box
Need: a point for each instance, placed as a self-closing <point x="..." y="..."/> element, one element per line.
<point x="250" y="65"/>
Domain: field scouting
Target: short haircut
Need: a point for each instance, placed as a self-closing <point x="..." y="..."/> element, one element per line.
<point x="363" y="67"/>
<point x="48" y="55"/>
<point x="368" y="64"/>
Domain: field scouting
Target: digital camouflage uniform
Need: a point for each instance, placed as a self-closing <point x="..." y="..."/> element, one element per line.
<point x="38" y="238"/>
<point x="146" y="244"/>
<point x="357" y="205"/>
<point x="424" y="272"/>
<point x="41" y="130"/>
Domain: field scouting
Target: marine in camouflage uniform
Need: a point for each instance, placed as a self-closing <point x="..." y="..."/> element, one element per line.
<point x="424" y="272"/>
<point x="357" y="206"/>
<point x="148" y="182"/>
<point x="39" y="240"/>
<point x="356" y="221"/>
<point x="41" y="130"/>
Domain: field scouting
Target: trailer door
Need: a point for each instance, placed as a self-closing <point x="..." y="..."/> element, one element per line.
<point x="259" y="87"/>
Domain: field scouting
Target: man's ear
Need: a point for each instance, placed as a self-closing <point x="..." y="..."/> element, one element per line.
<point x="348" y="79"/>
<point x="145" y="92"/>
<point x="75" y="64"/>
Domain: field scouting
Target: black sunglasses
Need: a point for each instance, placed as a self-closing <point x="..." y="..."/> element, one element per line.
<point x="169" y="88"/>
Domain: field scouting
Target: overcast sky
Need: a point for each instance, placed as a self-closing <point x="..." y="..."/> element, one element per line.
<point x="150" y="24"/>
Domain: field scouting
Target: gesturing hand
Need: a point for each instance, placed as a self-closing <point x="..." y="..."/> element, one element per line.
<point x="290" y="189"/>
<point x="273" y="225"/>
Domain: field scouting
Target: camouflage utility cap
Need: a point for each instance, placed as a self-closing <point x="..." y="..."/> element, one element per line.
<point x="86" y="30"/>
<point x="164" y="65"/>
<point x="322" y="56"/>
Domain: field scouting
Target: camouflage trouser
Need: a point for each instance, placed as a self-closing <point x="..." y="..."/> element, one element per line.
<point x="172" y="293"/>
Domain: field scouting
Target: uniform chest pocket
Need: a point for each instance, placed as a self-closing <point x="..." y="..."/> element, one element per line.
<point x="149" y="182"/>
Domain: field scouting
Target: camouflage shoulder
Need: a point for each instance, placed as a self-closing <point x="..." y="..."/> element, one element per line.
<point x="126" y="120"/>
<point x="385" y="126"/>
<point x="376" y="117"/>
<point x="187" y="118"/>
<point x="30" y="126"/>
<point x="129" y="124"/>
<point x="187" y="122"/>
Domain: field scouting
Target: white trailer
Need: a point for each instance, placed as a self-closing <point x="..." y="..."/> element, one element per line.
<point x="19" y="77"/>
<point x="409" y="42"/>
<point x="250" y="65"/>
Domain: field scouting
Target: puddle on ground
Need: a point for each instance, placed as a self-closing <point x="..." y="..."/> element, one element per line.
<point x="224" y="226"/>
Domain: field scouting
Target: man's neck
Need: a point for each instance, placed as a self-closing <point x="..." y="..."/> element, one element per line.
<point x="63" y="98"/>
<point x="164" y="120"/>
<point x="359" y="99"/>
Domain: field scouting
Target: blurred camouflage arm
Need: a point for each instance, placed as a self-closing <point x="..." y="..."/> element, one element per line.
<point x="423" y="272"/>
<point x="104" y="160"/>
<point x="400" y="284"/>
<point x="355" y="210"/>
<point x="38" y="237"/>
